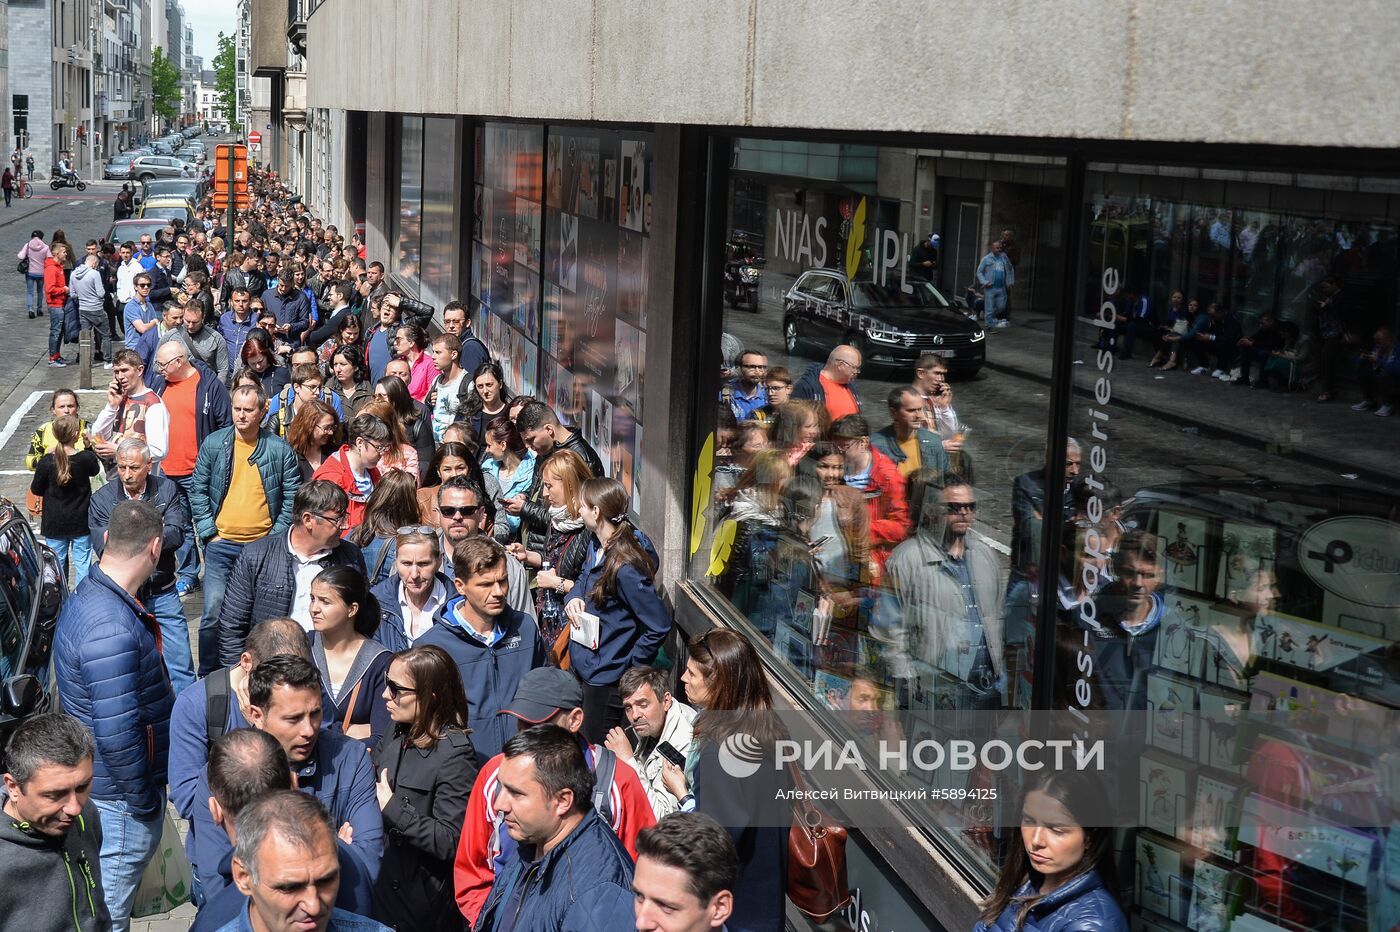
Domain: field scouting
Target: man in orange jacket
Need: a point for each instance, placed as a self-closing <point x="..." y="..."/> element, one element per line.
<point x="546" y="695"/>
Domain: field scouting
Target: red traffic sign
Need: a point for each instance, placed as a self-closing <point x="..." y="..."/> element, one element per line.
<point x="254" y="138"/>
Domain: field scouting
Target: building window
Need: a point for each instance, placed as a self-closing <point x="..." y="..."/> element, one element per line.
<point x="558" y="276"/>
<point x="410" y="224"/>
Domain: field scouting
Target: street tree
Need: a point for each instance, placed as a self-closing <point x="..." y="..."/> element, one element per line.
<point x="225" y="88"/>
<point x="165" y="86"/>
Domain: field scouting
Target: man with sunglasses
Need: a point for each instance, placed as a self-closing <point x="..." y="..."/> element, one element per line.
<point x="463" y="513"/>
<point x="139" y="314"/>
<point x="942" y="608"/>
<point x="147" y="256"/>
<point x="272" y="577"/>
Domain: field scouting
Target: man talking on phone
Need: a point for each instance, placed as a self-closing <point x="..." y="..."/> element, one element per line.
<point x="662" y="726"/>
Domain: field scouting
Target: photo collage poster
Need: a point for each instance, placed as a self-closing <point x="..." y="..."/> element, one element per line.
<point x="596" y="234"/>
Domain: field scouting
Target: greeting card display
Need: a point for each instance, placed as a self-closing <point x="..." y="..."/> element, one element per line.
<point x="1218" y="728"/>
<point x="1159" y="886"/>
<point x="1215" y="817"/>
<point x="1182" y="550"/>
<point x="1245" y="550"/>
<point x="1209" y="898"/>
<point x="1172" y="704"/>
<point x="1179" y="647"/>
<point x="1162" y="795"/>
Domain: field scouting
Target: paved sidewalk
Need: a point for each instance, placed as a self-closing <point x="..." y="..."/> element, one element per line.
<point x="1288" y="425"/>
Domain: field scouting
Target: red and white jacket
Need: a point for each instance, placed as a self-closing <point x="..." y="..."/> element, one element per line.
<point x="485" y="844"/>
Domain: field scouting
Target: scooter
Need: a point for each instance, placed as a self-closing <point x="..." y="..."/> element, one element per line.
<point x="741" y="280"/>
<point x="59" y="181"/>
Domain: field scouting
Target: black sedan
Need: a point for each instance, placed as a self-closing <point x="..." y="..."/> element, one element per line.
<point x="891" y="324"/>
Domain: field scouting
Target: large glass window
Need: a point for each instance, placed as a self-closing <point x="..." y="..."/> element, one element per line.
<point x="559" y="275"/>
<point x="1232" y="538"/>
<point x="876" y="483"/>
<point x="441" y="187"/>
<point x="410" y="224"/>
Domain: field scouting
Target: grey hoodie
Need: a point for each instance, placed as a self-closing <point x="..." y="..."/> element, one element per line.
<point x="53" y="884"/>
<point x="88" y="289"/>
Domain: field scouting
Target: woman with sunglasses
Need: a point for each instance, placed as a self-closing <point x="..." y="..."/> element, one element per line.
<point x="416" y="589"/>
<point x="393" y="504"/>
<point x="426" y="766"/>
<point x="344" y="616"/>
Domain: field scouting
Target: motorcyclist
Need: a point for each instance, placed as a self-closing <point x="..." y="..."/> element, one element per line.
<point x="65" y="170"/>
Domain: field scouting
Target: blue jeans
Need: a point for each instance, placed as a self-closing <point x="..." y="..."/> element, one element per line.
<point x="79" y="548"/>
<point x="174" y="637"/>
<point x="187" y="556"/>
<point x="994" y="304"/>
<point x="34" y="292"/>
<point x="219" y="557"/>
<point x="128" y="844"/>
<point x="55" y="330"/>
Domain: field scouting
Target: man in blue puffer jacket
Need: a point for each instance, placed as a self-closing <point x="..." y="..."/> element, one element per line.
<point x="107" y="662"/>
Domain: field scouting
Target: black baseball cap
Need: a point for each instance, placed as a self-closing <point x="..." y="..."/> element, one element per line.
<point x="542" y="693"/>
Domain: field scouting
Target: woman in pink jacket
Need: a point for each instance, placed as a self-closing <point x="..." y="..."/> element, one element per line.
<point x="35" y="252"/>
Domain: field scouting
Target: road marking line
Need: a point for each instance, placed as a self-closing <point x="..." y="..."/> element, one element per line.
<point x="13" y="423"/>
<point x="994" y="544"/>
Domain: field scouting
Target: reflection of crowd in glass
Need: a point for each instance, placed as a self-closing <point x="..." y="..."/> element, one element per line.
<point x="1297" y="305"/>
<point x="853" y="550"/>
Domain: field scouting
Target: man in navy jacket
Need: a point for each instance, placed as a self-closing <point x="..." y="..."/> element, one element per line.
<point x="292" y="308"/>
<point x="245" y="765"/>
<point x="284" y="700"/>
<point x="568" y="871"/>
<point x="493" y="645"/>
<point x="107" y="662"/>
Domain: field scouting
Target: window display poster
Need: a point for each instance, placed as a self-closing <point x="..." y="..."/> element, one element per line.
<point x="1182" y="549"/>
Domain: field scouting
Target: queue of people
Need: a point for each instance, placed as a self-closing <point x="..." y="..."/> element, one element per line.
<point x="429" y="690"/>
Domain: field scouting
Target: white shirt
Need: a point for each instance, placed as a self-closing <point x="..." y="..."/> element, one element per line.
<point x="306" y="569"/>
<point x="126" y="279"/>
<point x="415" y="623"/>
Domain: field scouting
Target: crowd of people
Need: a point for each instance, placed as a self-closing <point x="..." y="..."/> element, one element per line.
<point x="422" y="606"/>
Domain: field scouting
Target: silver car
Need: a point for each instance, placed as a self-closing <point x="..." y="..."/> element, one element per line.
<point x="118" y="167"/>
<point x="150" y="167"/>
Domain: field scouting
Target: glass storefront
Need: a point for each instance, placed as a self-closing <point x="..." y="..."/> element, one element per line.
<point x="410" y="200"/>
<point x="874" y="500"/>
<point x="558" y="275"/>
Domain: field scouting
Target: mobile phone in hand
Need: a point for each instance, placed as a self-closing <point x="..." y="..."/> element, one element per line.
<point x="668" y="751"/>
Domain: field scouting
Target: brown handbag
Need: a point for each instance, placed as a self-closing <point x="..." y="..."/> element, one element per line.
<point x="816" y="874"/>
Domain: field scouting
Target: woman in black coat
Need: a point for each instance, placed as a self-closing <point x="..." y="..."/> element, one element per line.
<point x="426" y="768"/>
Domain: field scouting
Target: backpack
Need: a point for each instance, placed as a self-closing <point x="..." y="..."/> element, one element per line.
<point x="604" y="766"/>
<point x="217" y="696"/>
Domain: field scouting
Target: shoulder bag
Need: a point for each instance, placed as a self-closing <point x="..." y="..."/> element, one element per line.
<point x="816" y="875"/>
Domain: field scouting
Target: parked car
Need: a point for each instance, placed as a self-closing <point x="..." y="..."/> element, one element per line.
<point x="150" y="167"/>
<point x="192" y="189"/>
<point x="191" y="155"/>
<point x="122" y="231"/>
<point x="889" y="325"/>
<point x="167" y="207"/>
<point x="118" y="167"/>
<point x="31" y="594"/>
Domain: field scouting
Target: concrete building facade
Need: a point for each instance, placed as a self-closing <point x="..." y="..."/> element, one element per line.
<point x="54" y="46"/>
<point x="591" y="179"/>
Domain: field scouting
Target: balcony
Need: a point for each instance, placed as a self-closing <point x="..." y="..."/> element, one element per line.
<point x="296" y="25"/>
<point x="294" y="99"/>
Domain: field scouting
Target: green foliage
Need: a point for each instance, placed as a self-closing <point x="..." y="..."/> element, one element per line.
<point x="165" y="86"/>
<point x="225" y="84"/>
